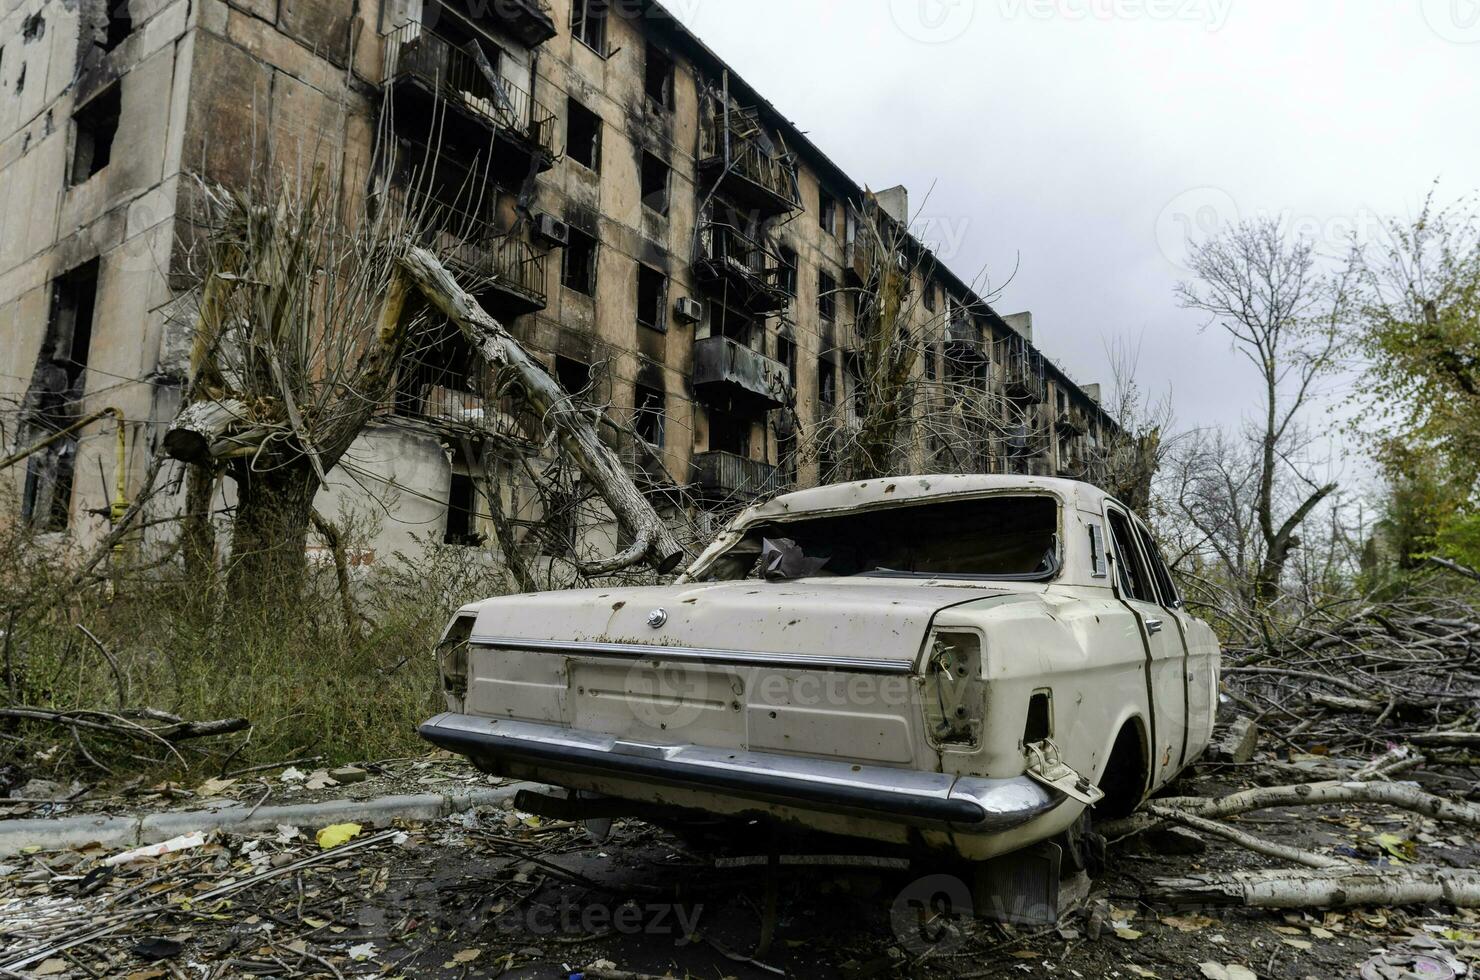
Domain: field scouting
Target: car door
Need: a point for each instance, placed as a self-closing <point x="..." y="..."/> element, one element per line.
<point x="1198" y="667"/>
<point x="1166" y="667"/>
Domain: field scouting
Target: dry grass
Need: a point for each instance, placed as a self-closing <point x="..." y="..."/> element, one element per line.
<point x="309" y="684"/>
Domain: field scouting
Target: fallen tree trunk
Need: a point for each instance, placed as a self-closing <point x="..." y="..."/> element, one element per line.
<point x="573" y="426"/>
<point x="1256" y="844"/>
<point x="201" y="425"/>
<point x="1446" y="738"/>
<point x="1309" y="794"/>
<point x="1301" y="888"/>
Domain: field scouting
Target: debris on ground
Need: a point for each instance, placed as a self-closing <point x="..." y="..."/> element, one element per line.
<point x="496" y="891"/>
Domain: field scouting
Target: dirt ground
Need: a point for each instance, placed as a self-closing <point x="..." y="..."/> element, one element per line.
<point x="499" y="893"/>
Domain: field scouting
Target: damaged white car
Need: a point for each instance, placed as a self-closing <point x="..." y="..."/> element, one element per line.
<point x="963" y="663"/>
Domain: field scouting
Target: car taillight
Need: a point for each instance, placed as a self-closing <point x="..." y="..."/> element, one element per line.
<point x="452" y="655"/>
<point x="954" y="691"/>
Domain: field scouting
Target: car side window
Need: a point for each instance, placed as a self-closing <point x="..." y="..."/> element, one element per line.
<point x="1134" y="580"/>
<point x="1159" y="571"/>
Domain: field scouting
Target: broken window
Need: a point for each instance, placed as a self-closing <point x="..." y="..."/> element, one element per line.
<point x="727" y="322"/>
<point x="827" y="213"/>
<point x="786" y="354"/>
<point x="649" y="417"/>
<point x="729" y="433"/>
<point x="95" y="125"/>
<point x="931" y="371"/>
<point x="1135" y="582"/>
<point x="583" y="135"/>
<point x="827" y="382"/>
<point x="574" y="376"/>
<point x="786" y="459"/>
<point x="652" y="293"/>
<point x="658" y="78"/>
<point x="853" y="372"/>
<point x="120" y="25"/>
<point x="827" y="296"/>
<point x="929" y="294"/>
<point x="789" y="270"/>
<point x="588" y="24"/>
<point x="436" y="380"/>
<point x="1160" y="574"/>
<point x="1002" y="537"/>
<point x="53" y="400"/>
<point x="655" y="175"/>
<point x="578" y="268"/>
<point x="462" y="513"/>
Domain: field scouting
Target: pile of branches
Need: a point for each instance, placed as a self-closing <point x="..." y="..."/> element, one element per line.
<point x="144" y="735"/>
<point x="1367" y="674"/>
<point x="1317" y="880"/>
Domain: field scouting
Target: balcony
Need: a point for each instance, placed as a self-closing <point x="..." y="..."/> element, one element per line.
<point x="741" y="270"/>
<point x="507" y="274"/>
<point x="863" y="256"/>
<point x="728" y="476"/>
<point x="750" y="173"/>
<point x="728" y="372"/>
<point x="1023" y="377"/>
<point x="1022" y="442"/>
<point x="1071" y="423"/>
<point x="425" y="71"/>
<point x="531" y="21"/>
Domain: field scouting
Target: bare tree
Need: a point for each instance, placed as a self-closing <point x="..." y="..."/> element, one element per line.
<point x="290" y="360"/>
<point x="1282" y="315"/>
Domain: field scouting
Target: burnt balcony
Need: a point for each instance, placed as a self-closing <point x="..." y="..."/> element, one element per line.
<point x="425" y="71"/>
<point x="728" y="476"/>
<point x="1071" y="423"/>
<point x="531" y="21"/>
<point x="1023" y="375"/>
<point x="505" y="272"/>
<point x="863" y="257"/>
<point x="1023" y="442"/>
<point x="741" y="270"/>
<point x="729" y="373"/>
<point x="748" y="172"/>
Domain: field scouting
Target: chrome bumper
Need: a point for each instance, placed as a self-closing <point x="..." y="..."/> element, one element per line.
<point x="906" y="796"/>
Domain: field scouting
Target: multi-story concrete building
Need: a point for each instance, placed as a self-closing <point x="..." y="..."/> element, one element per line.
<point x="641" y="218"/>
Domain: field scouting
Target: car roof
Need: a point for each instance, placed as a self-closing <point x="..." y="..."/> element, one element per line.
<point x="917" y="489"/>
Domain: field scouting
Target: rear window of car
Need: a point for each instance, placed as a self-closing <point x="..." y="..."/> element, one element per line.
<point x="998" y="537"/>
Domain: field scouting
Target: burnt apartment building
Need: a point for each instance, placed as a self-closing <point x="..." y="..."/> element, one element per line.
<point x="651" y="227"/>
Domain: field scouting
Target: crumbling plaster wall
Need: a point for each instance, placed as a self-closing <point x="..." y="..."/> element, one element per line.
<point x="52" y="221"/>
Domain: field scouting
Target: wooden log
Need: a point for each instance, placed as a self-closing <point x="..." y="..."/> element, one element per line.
<point x="1300" y="888"/>
<point x="1256" y="844"/>
<point x="199" y="426"/>
<point x="1446" y="738"/>
<point x="573" y="426"/>
<point x="1399" y="795"/>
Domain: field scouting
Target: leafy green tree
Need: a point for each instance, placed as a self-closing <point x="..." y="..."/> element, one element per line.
<point x="1419" y="330"/>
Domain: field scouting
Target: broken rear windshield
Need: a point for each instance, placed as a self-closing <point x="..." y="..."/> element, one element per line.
<point x="993" y="537"/>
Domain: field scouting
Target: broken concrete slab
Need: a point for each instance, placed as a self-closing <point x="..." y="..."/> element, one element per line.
<point x="1236" y="743"/>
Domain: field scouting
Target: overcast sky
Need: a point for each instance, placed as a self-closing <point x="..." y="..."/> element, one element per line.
<point x="1079" y="140"/>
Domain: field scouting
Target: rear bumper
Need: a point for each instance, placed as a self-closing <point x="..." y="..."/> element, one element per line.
<point x="903" y="796"/>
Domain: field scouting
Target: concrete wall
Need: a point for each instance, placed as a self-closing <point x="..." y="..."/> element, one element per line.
<point x="222" y="88"/>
